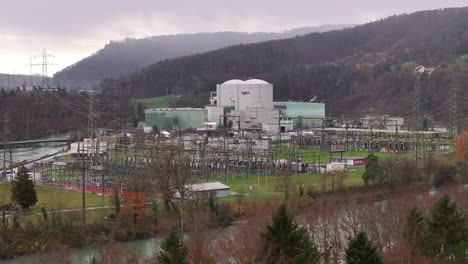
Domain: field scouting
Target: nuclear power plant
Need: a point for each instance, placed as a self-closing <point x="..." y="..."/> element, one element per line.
<point x="240" y="105"/>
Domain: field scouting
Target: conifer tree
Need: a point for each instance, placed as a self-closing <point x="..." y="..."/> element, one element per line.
<point x="361" y="251"/>
<point x="372" y="169"/>
<point x="414" y="230"/>
<point x="446" y="232"/>
<point x="286" y="242"/>
<point x="172" y="250"/>
<point x="22" y="189"/>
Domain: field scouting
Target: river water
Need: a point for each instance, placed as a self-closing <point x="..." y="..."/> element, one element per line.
<point x="145" y="248"/>
<point x="35" y="151"/>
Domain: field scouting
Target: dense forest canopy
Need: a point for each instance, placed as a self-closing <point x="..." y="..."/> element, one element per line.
<point x="121" y="57"/>
<point x="354" y="70"/>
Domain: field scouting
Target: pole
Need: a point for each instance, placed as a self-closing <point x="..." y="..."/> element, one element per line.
<point x="82" y="181"/>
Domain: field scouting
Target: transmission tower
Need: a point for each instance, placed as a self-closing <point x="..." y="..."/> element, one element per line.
<point x="456" y="108"/>
<point x="44" y="64"/>
<point x="417" y="103"/>
<point x="6" y="140"/>
<point x="92" y="116"/>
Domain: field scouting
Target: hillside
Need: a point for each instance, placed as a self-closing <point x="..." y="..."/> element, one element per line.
<point x="355" y="70"/>
<point x="121" y="57"/>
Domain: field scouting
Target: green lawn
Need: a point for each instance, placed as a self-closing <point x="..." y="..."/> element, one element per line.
<point x="459" y="64"/>
<point x="54" y="198"/>
<point x="268" y="183"/>
<point x="158" y="102"/>
<point x="308" y="154"/>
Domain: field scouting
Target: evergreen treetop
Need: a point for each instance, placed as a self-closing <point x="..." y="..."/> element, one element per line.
<point x="446" y="231"/>
<point x="286" y="242"/>
<point x="172" y="250"/>
<point x="22" y="189"/>
<point x="372" y="169"/>
<point x="361" y="251"/>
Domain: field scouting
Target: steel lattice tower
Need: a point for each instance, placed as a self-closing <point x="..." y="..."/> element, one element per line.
<point x="44" y="64"/>
<point x="6" y="139"/>
<point x="417" y="104"/>
<point x="456" y="108"/>
<point x="91" y="116"/>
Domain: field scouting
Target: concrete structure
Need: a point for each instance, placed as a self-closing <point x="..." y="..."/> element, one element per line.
<point x="205" y="190"/>
<point x="303" y="115"/>
<point x="243" y="104"/>
<point x="301" y="109"/>
<point x="176" y="118"/>
<point x="350" y="161"/>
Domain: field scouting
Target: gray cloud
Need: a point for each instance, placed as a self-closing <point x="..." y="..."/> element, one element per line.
<point x="74" y="29"/>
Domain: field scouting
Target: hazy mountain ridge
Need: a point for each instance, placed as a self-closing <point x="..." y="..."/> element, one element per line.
<point x="355" y="69"/>
<point x="122" y="57"/>
<point x="11" y="81"/>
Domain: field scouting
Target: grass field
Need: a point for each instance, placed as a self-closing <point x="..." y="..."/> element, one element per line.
<point x="158" y="102"/>
<point x="268" y="184"/>
<point x="459" y="64"/>
<point x="308" y="154"/>
<point x="58" y="199"/>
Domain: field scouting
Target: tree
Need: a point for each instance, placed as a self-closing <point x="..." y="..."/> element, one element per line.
<point x="461" y="146"/>
<point x="372" y="169"/>
<point x="285" y="242"/>
<point x="3" y="93"/>
<point x="22" y="189"/>
<point x="461" y="152"/>
<point x="172" y="250"/>
<point x="117" y="201"/>
<point x="361" y="251"/>
<point x="446" y="233"/>
<point x="414" y="230"/>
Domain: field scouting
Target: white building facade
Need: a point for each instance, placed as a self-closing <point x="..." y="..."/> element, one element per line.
<point x="243" y="104"/>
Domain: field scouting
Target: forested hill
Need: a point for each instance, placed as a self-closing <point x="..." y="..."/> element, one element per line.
<point x="355" y="70"/>
<point x="122" y="57"/>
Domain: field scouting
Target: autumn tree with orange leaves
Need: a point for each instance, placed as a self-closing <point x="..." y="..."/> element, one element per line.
<point x="461" y="153"/>
<point x="461" y="146"/>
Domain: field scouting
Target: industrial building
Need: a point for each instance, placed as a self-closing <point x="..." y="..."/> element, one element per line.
<point x="350" y="161"/>
<point x="241" y="105"/>
<point x="176" y="118"/>
<point x="249" y="104"/>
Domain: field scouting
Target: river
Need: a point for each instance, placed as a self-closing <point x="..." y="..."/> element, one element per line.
<point x="144" y="247"/>
<point x="35" y="151"/>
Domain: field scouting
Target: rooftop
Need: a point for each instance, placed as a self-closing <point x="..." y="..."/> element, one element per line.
<point x="251" y="81"/>
<point x="350" y="158"/>
<point x="175" y="109"/>
<point x="208" y="186"/>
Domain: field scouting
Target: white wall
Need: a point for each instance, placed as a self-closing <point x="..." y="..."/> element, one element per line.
<point x="214" y="113"/>
<point x="244" y="96"/>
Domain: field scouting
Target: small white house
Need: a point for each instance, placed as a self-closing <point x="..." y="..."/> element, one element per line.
<point x="204" y="190"/>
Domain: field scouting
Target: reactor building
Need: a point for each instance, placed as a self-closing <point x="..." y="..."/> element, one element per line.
<point x="243" y="104"/>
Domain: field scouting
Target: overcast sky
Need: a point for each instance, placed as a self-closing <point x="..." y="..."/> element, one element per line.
<point x="73" y="29"/>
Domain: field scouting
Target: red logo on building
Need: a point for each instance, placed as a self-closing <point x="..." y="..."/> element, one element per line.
<point x="245" y="92"/>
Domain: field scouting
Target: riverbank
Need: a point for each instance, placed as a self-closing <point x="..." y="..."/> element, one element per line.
<point x="326" y="210"/>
